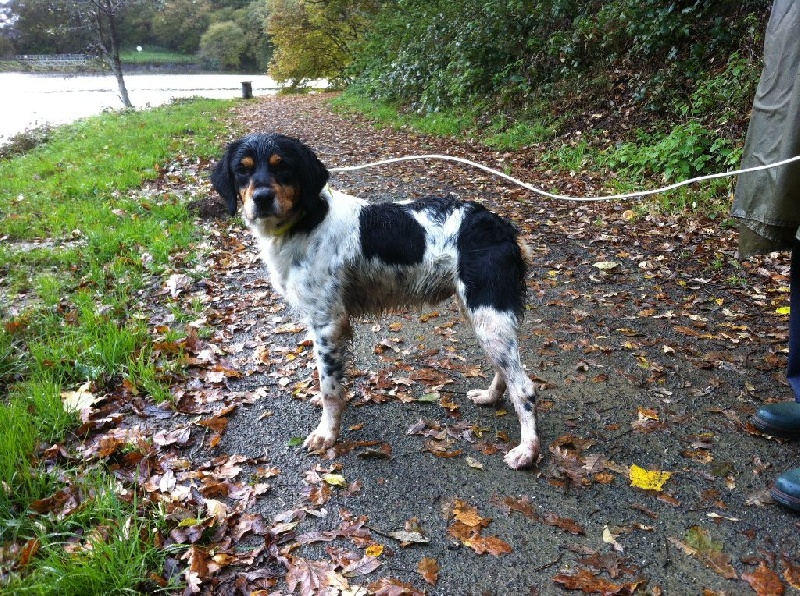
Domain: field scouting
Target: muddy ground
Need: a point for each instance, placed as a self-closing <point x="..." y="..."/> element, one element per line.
<point x="650" y="345"/>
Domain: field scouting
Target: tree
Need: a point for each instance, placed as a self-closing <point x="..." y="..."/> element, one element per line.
<point x="46" y="27"/>
<point x="179" y="24"/>
<point x="253" y="21"/>
<point x="6" y="47"/>
<point x="103" y="16"/>
<point x="316" y="38"/>
<point x="223" y="45"/>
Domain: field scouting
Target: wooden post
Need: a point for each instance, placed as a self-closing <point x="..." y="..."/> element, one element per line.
<point x="247" y="90"/>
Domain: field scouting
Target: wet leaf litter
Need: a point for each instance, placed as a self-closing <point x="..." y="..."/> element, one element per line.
<point x="649" y="346"/>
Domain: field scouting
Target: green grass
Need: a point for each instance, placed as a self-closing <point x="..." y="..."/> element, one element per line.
<point x="155" y="56"/>
<point x="101" y="549"/>
<point x="383" y="114"/>
<point x="644" y="162"/>
<point x="71" y="269"/>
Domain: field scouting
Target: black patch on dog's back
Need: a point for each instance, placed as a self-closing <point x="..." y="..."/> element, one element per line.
<point x="438" y="209"/>
<point x="490" y="263"/>
<point x="390" y="233"/>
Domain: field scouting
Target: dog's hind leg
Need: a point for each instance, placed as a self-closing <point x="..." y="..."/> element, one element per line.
<point x="329" y="348"/>
<point x="497" y="334"/>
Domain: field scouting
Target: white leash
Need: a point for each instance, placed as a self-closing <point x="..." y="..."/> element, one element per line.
<point x="530" y="187"/>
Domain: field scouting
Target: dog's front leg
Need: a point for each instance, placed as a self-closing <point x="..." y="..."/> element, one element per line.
<point x="329" y="348"/>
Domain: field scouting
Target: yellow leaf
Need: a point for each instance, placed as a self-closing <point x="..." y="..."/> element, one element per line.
<point x="647" y="414"/>
<point x="75" y="401"/>
<point x="335" y="479"/>
<point x="647" y="479"/>
<point x="188" y="522"/>
<point x="374" y="550"/>
<point x="606" y="265"/>
<point x="783" y="310"/>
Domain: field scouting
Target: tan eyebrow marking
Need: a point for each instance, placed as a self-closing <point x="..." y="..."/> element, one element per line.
<point x="274" y="159"/>
<point x="248" y="162"/>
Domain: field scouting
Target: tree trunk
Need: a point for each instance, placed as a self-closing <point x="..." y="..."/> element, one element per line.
<point x="116" y="63"/>
<point x="110" y="46"/>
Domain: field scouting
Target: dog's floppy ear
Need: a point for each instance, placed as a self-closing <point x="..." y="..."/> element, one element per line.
<point x="318" y="173"/>
<point x="223" y="179"/>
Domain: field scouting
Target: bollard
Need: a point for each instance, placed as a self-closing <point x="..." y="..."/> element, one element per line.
<point x="247" y="90"/>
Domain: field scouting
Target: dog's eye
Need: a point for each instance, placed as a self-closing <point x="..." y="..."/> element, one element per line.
<point x="245" y="166"/>
<point x="283" y="172"/>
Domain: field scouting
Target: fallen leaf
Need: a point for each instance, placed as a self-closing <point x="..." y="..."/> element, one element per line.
<point x="647" y="414"/>
<point x="176" y="283"/>
<point x="488" y="544"/>
<point x="364" y="566"/>
<point x="474" y="463"/>
<point x="564" y="523"/>
<point x="178" y="436"/>
<point x="764" y="581"/>
<point x="521" y="504"/>
<point x="428" y="568"/>
<point x="217" y="509"/>
<point x="699" y="544"/>
<point x="648" y="479"/>
<point x="389" y="586"/>
<point x="468" y="515"/>
<point x="606" y="265"/>
<point x="791" y="573"/>
<point x="407" y="538"/>
<point x="374" y="550"/>
<point x="80" y="399"/>
<point x="313" y="577"/>
<point x="467" y="529"/>
<point x="589" y="583"/>
<point x="610" y="538"/>
<point x="29" y="551"/>
<point x="335" y="479"/>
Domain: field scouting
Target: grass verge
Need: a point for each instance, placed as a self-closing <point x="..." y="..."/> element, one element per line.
<point x="155" y="56"/>
<point x="80" y="241"/>
<point x="644" y="160"/>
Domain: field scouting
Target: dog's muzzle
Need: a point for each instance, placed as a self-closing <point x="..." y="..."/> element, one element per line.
<point x="263" y="202"/>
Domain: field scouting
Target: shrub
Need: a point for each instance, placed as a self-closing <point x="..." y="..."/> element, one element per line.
<point x="434" y="54"/>
<point x="689" y="150"/>
<point x="223" y="45"/>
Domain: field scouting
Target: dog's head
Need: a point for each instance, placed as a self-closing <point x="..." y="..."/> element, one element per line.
<point x="277" y="178"/>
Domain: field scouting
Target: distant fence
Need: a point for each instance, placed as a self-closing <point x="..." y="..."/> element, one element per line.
<point x="54" y="59"/>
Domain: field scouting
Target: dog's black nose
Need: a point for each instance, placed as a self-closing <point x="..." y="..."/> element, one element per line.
<point x="263" y="197"/>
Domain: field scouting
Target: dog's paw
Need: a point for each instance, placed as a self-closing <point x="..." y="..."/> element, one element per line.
<point x="484" y="397"/>
<point x="321" y="439"/>
<point x="523" y="455"/>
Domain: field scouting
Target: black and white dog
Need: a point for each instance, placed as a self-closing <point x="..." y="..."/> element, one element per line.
<point x="331" y="255"/>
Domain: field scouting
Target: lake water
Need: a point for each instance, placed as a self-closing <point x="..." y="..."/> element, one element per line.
<point x="29" y="100"/>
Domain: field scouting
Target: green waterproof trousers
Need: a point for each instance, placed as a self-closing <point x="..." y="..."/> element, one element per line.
<point x="767" y="202"/>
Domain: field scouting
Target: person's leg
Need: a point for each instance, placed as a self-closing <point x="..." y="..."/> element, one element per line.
<point x="783" y="419"/>
<point x="793" y="368"/>
<point x="786" y="491"/>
